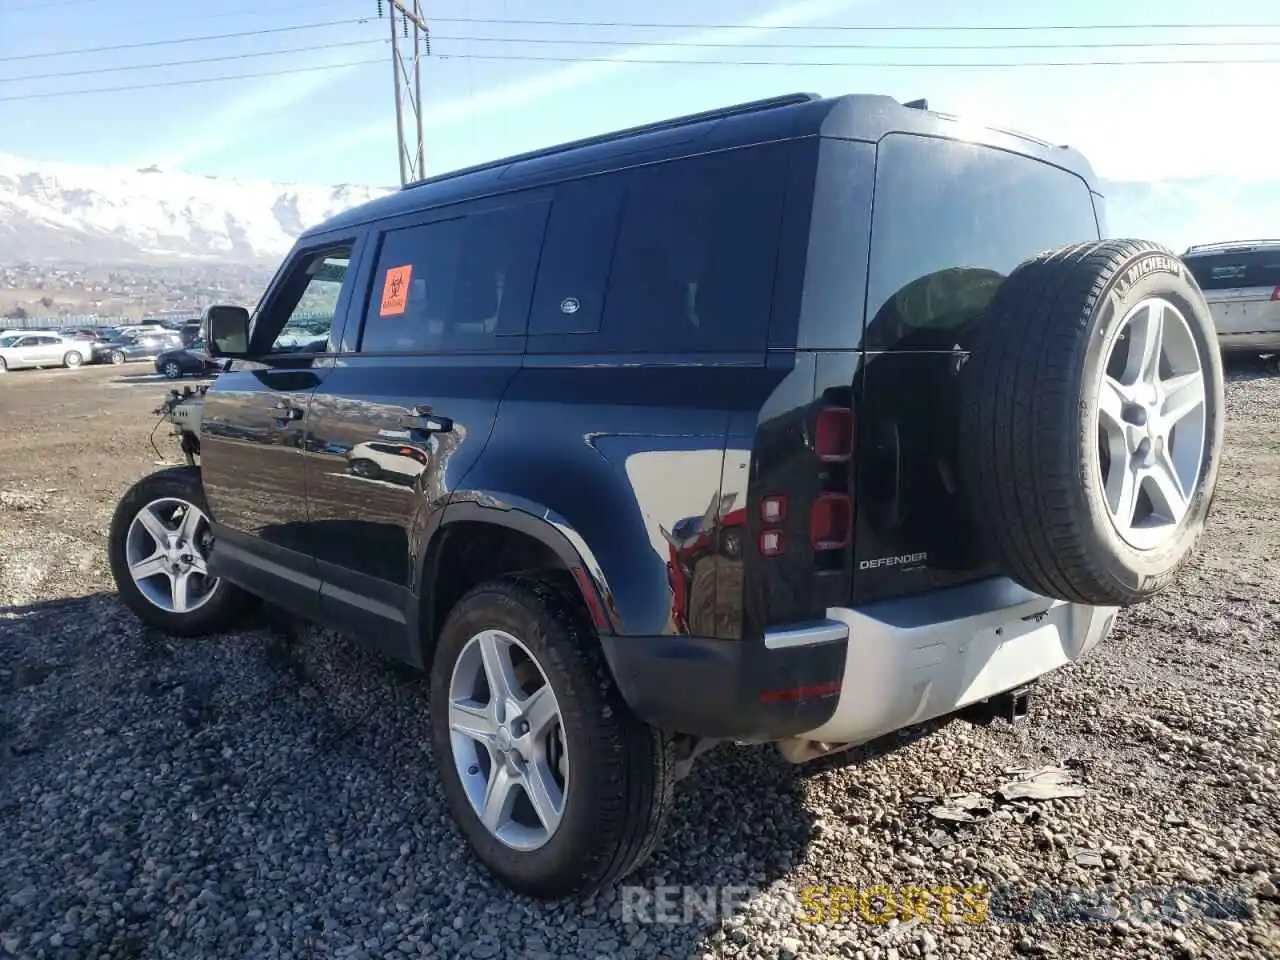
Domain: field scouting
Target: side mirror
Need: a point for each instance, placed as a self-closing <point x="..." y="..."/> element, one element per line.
<point x="227" y="331"/>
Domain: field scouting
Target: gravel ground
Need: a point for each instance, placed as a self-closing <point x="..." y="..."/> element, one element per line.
<point x="270" y="793"/>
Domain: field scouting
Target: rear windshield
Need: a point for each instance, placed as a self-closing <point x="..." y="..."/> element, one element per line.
<point x="1236" y="269"/>
<point x="950" y="221"/>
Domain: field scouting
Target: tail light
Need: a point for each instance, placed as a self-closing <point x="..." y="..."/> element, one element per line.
<point x="1275" y="294"/>
<point x="833" y="435"/>
<point x="831" y="521"/>
<point x="772" y="543"/>
<point x="773" y="510"/>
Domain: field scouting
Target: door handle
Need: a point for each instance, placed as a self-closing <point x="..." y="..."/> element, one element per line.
<point x="287" y="411"/>
<point x="423" y="419"/>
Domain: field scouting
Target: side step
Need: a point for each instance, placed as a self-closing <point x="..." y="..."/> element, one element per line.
<point x="1012" y="705"/>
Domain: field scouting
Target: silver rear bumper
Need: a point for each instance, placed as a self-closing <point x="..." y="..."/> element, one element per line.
<point x="912" y="659"/>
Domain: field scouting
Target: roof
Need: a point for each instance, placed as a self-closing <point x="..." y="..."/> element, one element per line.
<point x="1230" y="246"/>
<point x="865" y="117"/>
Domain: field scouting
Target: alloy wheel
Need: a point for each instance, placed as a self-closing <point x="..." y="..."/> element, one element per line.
<point x="1151" y="423"/>
<point x="508" y="741"/>
<point x="166" y="550"/>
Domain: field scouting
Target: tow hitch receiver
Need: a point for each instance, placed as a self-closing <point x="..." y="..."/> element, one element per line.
<point x="1012" y="705"/>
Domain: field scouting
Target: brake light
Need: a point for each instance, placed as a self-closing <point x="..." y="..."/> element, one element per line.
<point x="833" y="434"/>
<point x="771" y="543"/>
<point x="1275" y="294"/>
<point x="831" y="521"/>
<point x="773" y="510"/>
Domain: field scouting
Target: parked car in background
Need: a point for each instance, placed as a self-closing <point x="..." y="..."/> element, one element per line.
<point x="43" y="350"/>
<point x="193" y="359"/>
<point x="1241" y="282"/>
<point x="130" y="346"/>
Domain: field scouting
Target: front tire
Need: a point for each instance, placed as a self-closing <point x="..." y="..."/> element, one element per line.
<point x="609" y="787"/>
<point x="115" y="358"/>
<point x="73" y="359"/>
<point x="171" y="371"/>
<point x="158" y="548"/>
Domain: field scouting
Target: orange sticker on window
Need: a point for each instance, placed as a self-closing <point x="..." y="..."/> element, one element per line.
<point x="395" y="291"/>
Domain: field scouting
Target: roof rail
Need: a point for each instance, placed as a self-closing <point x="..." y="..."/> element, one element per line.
<point x="1228" y="244"/>
<point x="1004" y="130"/>
<point x="752" y="106"/>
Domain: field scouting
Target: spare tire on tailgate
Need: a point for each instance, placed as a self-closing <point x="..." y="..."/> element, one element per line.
<point x="1091" y="422"/>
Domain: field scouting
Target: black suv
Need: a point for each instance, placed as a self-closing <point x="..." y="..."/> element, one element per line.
<point x="799" y="421"/>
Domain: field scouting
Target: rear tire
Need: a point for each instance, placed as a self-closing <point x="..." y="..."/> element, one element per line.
<point x="172" y="371"/>
<point x="115" y="358"/>
<point x="618" y="780"/>
<point x="209" y="605"/>
<point x="1058" y="415"/>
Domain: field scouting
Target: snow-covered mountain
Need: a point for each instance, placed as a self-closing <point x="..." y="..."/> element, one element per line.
<point x="79" y="212"/>
<point x="87" y="213"/>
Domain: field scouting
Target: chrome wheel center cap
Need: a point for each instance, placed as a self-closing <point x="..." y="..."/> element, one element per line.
<point x="504" y="740"/>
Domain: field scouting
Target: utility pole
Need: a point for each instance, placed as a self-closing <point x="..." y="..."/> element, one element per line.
<point x="410" y="41"/>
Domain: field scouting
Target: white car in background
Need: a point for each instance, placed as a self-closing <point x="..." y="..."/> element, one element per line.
<point x="1241" y="282"/>
<point x="42" y="349"/>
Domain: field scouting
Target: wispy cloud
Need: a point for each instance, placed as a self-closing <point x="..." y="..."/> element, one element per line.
<point x="234" y="121"/>
<point x="521" y="92"/>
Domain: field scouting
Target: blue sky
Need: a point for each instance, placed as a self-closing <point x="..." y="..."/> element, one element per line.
<point x="336" y="125"/>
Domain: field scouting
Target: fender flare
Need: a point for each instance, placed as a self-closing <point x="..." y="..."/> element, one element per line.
<point x="548" y="528"/>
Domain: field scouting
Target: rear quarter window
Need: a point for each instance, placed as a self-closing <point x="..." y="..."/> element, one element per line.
<point x="1236" y="270"/>
<point x="690" y="250"/>
<point x="950" y="222"/>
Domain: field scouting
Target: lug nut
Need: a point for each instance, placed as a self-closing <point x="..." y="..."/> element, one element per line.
<point x="1136" y="414"/>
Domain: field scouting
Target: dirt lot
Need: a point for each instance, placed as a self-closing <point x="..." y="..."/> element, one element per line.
<point x="270" y="793"/>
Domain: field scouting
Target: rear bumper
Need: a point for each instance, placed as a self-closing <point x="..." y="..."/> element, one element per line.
<point x="1257" y="341"/>
<point x="862" y="672"/>
<point x="730" y="690"/>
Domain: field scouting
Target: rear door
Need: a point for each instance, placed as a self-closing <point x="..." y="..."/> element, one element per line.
<point x="431" y="348"/>
<point x="254" y="420"/>
<point x="950" y="221"/>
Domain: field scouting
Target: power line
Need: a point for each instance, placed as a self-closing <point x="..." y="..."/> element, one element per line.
<point x="868" y="46"/>
<point x="190" y="62"/>
<point x="111" y="48"/>
<point x="163" y="64"/>
<point x="917" y="65"/>
<point x="843" y="64"/>
<point x="272" y="10"/>
<point x="867" y="27"/>
<point x="184" y="83"/>
<point x="266" y="31"/>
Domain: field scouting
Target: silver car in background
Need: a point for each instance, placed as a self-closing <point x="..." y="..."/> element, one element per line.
<point x="1241" y="282"/>
<point x="42" y="349"/>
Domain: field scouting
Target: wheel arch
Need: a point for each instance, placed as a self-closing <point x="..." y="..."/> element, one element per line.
<point x="475" y="542"/>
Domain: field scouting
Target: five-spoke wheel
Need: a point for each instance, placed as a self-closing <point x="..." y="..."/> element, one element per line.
<point x="166" y="549"/>
<point x="556" y="785"/>
<point x="159" y="545"/>
<point x="508" y="740"/>
<point x="1151" y="423"/>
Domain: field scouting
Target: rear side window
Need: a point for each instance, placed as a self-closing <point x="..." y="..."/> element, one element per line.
<point x="461" y="284"/>
<point x="950" y="221"/>
<point x="574" y="269"/>
<point x="696" y="253"/>
<point x="1236" y="269"/>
